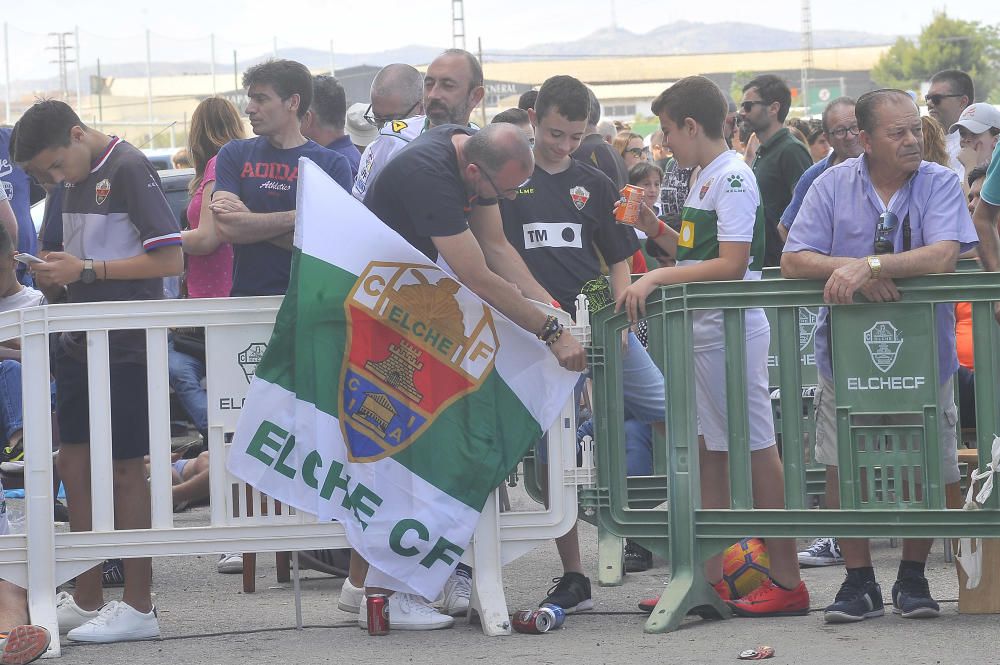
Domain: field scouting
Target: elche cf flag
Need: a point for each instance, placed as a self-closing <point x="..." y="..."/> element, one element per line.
<point x="390" y="398"/>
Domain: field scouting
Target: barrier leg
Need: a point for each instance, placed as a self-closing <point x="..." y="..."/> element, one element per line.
<point x="298" y="589"/>
<point x="487" y="573"/>
<point x="610" y="558"/>
<point x="686" y="594"/>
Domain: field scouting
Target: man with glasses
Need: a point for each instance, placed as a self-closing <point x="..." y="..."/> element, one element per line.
<point x="451" y="89"/>
<point x="781" y="160"/>
<point x="440" y="195"/>
<point x="950" y="93"/>
<point x="841" y="129"/>
<point x="865" y="222"/>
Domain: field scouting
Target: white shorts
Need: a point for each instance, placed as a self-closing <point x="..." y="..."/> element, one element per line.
<point x="710" y="393"/>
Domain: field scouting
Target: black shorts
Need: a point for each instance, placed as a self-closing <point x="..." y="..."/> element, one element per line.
<point x="129" y="406"/>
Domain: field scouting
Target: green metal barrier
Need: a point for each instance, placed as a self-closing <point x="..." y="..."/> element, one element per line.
<point x="885" y="362"/>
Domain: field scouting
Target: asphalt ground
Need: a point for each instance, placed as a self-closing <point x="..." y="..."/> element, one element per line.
<point x="206" y="618"/>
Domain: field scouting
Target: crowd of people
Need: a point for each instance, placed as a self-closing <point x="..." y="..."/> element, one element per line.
<point x="520" y="210"/>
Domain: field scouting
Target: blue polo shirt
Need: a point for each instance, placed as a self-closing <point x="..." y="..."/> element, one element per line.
<point x="346" y="147"/>
<point x="801" y="187"/>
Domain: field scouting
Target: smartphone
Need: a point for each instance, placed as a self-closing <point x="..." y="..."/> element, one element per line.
<point x="27" y="259"/>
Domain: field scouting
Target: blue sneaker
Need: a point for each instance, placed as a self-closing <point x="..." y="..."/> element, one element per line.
<point x="822" y="552"/>
<point x="856" y="601"/>
<point x="911" y="599"/>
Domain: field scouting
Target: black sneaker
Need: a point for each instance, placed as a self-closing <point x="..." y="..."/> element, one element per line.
<point x="571" y="592"/>
<point x="856" y="601"/>
<point x="911" y="599"/>
<point x="637" y="558"/>
<point x="113" y="573"/>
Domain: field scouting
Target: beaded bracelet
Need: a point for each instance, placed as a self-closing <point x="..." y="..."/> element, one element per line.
<point x="554" y="338"/>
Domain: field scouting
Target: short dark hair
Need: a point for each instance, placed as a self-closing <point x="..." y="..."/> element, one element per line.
<point x="512" y="116"/>
<point x="566" y="94"/>
<point x="594" y="116"/>
<point x="46" y="124"/>
<point x="6" y="242"/>
<point x="772" y="89"/>
<point x="694" y="97"/>
<point x="839" y="101"/>
<point x="329" y="101"/>
<point x="642" y="170"/>
<point x="474" y="66"/>
<point x="960" y="82"/>
<point x="974" y="175"/>
<point x="287" y="77"/>
<point x="864" y="109"/>
<point x="527" y="100"/>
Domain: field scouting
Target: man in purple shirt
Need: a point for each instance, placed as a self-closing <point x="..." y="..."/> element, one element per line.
<point x="837" y="236"/>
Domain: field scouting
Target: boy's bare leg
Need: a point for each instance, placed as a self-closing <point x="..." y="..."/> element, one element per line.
<point x="568" y="546"/>
<point x="13" y="606"/>
<point x="132" y="512"/>
<point x="74" y="467"/>
<point x="357" y="570"/>
<point x="714" y="475"/>
<point x="194" y="485"/>
<point x="767" y="476"/>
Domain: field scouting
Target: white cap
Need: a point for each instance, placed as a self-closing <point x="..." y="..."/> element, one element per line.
<point x="978" y="118"/>
<point x="361" y="132"/>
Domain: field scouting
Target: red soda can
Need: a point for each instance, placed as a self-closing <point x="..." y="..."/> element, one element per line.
<point x="534" y="622"/>
<point x="378" y="614"/>
<point x="628" y="211"/>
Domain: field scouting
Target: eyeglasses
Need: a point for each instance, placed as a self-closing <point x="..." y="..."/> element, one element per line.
<point x="636" y="152"/>
<point x="378" y="120"/>
<point x="936" y="99"/>
<point x="748" y="106"/>
<point x="500" y="193"/>
<point x="886" y="225"/>
<point x="842" y="132"/>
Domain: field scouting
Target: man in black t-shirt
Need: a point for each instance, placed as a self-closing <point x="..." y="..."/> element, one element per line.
<point x="436" y="193"/>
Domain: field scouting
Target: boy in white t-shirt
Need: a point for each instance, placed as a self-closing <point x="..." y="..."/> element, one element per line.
<point x="722" y="238"/>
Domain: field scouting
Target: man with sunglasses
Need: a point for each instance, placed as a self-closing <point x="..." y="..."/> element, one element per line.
<point x="451" y="89"/>
<point x="780" y="161"/>
<point x="841" y="129"/>
<point x="865" y="222"/>
<point x="951" y="91"/>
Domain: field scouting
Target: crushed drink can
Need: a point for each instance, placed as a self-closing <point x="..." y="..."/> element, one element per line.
<point x="760" y="653"/>
<point x="378" y="614"/>
<point x="560" y="615"/>
<point x="534" y="622"/>
<point x="628" y="211"/>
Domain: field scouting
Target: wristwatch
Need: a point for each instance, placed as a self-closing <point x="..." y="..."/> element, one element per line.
<point x="87" y="275"/>
<point x="875" y="265"/>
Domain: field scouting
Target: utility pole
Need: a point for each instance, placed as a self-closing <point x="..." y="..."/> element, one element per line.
<point x="61" y="48"/>
<point x="807" y="52"/>
<point x="457" y="24"/>
<point x="212" y="47"/>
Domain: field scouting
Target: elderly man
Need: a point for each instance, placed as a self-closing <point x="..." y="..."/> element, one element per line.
<point x="451" y="89"/>
<point x="950" y="93"/>
<point x="852" y="232"/>
<point x="841" y="130"/>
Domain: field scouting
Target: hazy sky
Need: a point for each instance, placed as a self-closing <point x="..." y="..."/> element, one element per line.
<point x="114" y="29"/>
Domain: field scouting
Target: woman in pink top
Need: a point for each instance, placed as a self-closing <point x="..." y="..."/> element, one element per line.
<point x="215" y="123"/>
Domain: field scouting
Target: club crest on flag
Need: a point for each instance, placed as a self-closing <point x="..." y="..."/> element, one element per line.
<point x="580" y="196"/>
<point x="412" y="350"/>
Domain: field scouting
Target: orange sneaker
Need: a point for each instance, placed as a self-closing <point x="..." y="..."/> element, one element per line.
<point x="770" y="600"/>
<point x="720" y="587"/>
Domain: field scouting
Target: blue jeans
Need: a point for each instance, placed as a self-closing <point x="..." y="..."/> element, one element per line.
<point x="642" y="385"/>
<point x="638" y="445"/>
<point x="186" y="374"/>
<point x="12" y="400"/>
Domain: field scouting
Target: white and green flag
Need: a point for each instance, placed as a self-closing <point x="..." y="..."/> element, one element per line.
<point x="390" y="398"/>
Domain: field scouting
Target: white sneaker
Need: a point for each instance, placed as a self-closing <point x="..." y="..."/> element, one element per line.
<point x="409" y="612"/>
<point x="351" y="597"/>
<point x="68" y="613"/>
<point x="458" y="588"/>
<point x="230" y="563"/>
<point x="117" y="622"/>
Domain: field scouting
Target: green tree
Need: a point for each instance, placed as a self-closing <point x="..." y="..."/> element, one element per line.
<point x="740" y="79"/>
<point x="946" y="43"/>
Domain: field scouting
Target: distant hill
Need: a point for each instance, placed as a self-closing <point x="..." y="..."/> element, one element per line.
<point x="673" y="38"/>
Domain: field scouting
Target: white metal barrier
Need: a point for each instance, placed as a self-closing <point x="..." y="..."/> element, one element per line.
<point x="241" y="520"/>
